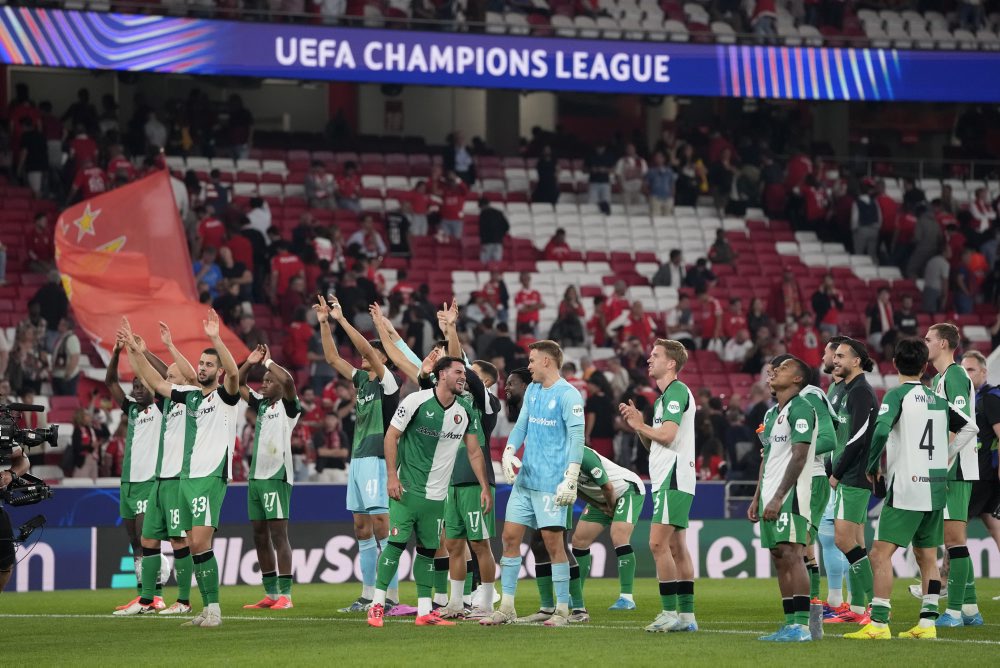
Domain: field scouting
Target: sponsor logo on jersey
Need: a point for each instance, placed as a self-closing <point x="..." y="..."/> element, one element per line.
<point x="401" y="412"/>
<point x="933" y="478"/>
<point x="361" y="401"/>
<point x="429" y="414"/>
<point x="883" y="409"/>
<point x="959" y="402"/>
<point x="779" y="438"/>
<point x="578" y="410"/>
<point x="542" y="422"/>
<point x="801" y="426"/>
<point x="595" y="472"/>
<point x="440" y="435"/>
<point x="674" y="407"/>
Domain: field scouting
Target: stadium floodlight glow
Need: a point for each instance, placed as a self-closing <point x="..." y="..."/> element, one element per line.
<point x="58" y="38"/>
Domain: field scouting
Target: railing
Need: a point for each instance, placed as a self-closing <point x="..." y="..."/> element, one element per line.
<point x="917" y="168"/>
<point x="736" y="499"/>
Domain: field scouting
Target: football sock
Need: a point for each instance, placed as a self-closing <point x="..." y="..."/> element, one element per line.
<point x="285" y="586"/>
<point x="685" y="597"/>
<point x="576" y="588"/>
<point x="184" y="566"/>
<point x="860" y="576"/>
<point x="271" y="585"/>
<point x="137" y="562"/>
<point x="880" y="612"/>
<point x="668" y="596"/>
<point x="543" y="578"/>
<point x="813" y="569"/>
<point x="441" y="580"/>
<point x="388" y="565"/>
<point x="510" y="568"/>
<point x="788" y="605"/>
<point x="368" y="556"/>
<point x="800" y="607"/>
<point x="206" y="571"/>
<point x="467" y="589"/>
<point x="584" y="560"/>
<point x="971" y="604"/>
<point x="958" y="578"/>
<point x="456" y="594"/>
<point x="835" y="564"/>
<point x="424" y="573"/>
<point x="149" y="571"/>
<point x="626" y="569"/>
<point x="929" y="604"/>
<point x="560" y="582"/>
<point x="483" y="598"/>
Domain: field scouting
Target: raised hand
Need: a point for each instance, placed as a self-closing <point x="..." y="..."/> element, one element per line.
<point x="428" y="364"/>
<point x="336" y="312"/>
<point x="267" y="352"/>
<point x="211" y="325"/>
<point x="140" y="345"/>
<point x="321" y="309"/>
<point x="165" y="336"/>
<point x="126" y="327"/>
<point x="256" y="355"/>
<point x="631" y="415"/>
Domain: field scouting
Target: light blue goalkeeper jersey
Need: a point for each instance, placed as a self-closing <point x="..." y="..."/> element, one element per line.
<point x="545" y="425"/>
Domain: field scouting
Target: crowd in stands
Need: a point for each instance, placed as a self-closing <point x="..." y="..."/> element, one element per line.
<point x="263" y="278"/>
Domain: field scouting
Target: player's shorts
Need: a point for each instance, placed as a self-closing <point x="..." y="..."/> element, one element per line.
<point x="416" y="516"/>
<point x="163" y="515"/>
<point x="788" y="528"/>
<point x="268" y="499"/>
<point x="817" y="506"/>
<point x="957" y="506"/>
<point x="851" y="503"/>
<point x="627" y="510"/>
<point x="464" y="516"/>
<point x="366" y="486"/>
<point x="985" y="497"/>
<point x="133" y="498"/>
<point x="672" y="506"/>
<point x="537" y="510"/>
<point x="923" y="528"/>
<point x="201" y="501"/>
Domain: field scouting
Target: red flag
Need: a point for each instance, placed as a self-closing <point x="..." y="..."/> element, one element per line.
<point x="125" y="253"/>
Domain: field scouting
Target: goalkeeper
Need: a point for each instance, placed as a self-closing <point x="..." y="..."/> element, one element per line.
<point x="551" y="427"/>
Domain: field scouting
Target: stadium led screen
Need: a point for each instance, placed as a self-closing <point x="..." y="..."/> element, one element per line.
<point x="56" y="38"/>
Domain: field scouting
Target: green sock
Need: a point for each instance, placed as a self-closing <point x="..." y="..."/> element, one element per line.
<point x="626" y="568"/>
<point x="285" y="585"/>
<point x="958" y="578"/>
<point x="800" y="604"/>
<point x="183" y="565"/>
<point x="441" y="575"/>
<point x="813" y="582"/>
<point x="388" y="564"/>
<point x="206" y="571"/>
<point x="788" y="605"/>
<point x="576" y="588"/>
<point x="970" y="587"/>
<point x="668" y="596"/>
<point x="468" y="579"/>
<point x="424" y="574"/>
<point x="270" y="583"/>
<point x="543" y="578"/>
<point x="880" y="610"/>
<point x="685" y="596"/>
<point x="150" y="572"/>
<point x="860" y="575"/>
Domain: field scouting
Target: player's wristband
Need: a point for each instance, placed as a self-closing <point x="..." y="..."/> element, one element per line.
<point x="267" y="363"/>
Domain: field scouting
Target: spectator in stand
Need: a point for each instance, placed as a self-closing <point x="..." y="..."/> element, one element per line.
<point x="817" y="207"/>
<point x="65" y="356"/>
<point x="618" y="301"/>
<point x="634" y="323"/>
<point x="806" y="343"/>
<point x="763" y="20"/>
<point x="599" y="416"/>
<point x="982" y="210"/>
<point x="397" y="226"/>
<point x="497" y="295"/>
<point x="866" y="221"/>
<point x="52" y="303"/>
<point x="53" y="130"/>
<point x="332" y="450"/>
<point x="786" y="300"/>
<point x="616" y="375"/>
<point x="700" y="275"/>
<point x="721" y="174"/>
<point x="970" y="14"/>
<point x="525" y="336"/>
<point x="251" y="335"/>
<point x="721" y="251"/>
<point x="207" y="271"/>
<point x="349" y="188"/>
<point x="757" y="317"/>
<point x="229" y="304"/>
<point x="692" y="176"/>
<point x="211" y="230"/>
<point x="889" y="209"/>
<point x="90" y="180"/>
<point x="216" y="193"/>
<point x="458" y="159"/>
<point x="82" y="148"/>
<point x="493" y="229"/>
<point x="40" y="246"/>
<point x="296" y="343"/>
<point x="479" y="310"/>
<point x="912" y="195"/>
<point x="557" y="249"/>
<point x="569" y="373"/>
<point x="367" y="242"/>
<point x="969" y="276"/>
<point x="828" y="302"/>
<point x="879" y="319"/>
<point x="155" y="132"/>
<point x="547" y="189"/>
<point x="420" y="204"/>
<point x="905" y="317"/>
<point x="630" y="171"/>
<point x="568" y="328"/>
<point x="599" y="166"/>
<point x="734" y="319"/>
<point x="33" y="160"/>
<point x="709" y="320"/>
<point x="260" y="218"/>
<point x="738" y="348"/>
<point x="658" y="185"/>
<point x="294" y="298"/>
<point x="672" y="273"/>
<point x="239" y="128"/>
<point x="528" y="303"/>
<point x="680" y="322"/>
<point x="453" y="193"/>
<point x="320" y="187"/>
<point x="84" y="449"/>
<point x="284" y="267"/>
<point x="597" y="325"/>
<point x="82" y="113"/>
<point x="936" y="281"/>
<point x="504" y="347"/>
<point x="928" y="238"/>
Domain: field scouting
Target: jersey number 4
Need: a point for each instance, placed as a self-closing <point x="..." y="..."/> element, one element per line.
<point x="927" y="440"/>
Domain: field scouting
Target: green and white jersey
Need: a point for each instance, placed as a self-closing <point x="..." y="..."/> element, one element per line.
<point x="463" y="473"/>
<point x="432" y="436"/>
<point x="210" y="433"/>
<point x="835" y="393"/>
<point x="791" y="424"/>
<point x="826" y="421"/>
<point x="673" y="463"/>
<point x="172" y="435"/>
<point x="377" y="401"/>
<point x="142" y="440"/>
<point x="596" y="471"/>
<point x="955" y="386"/>
<point x="912" y="428"/>
<point x="272" y="437"/>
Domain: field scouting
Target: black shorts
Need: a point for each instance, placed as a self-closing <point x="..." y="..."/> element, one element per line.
<point x="985" y="497"/>
<point x="6" y="542"/>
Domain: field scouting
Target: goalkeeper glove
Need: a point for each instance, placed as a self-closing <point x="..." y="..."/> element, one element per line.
<point x="508" y="462"/>
<point x="566" y="491"/>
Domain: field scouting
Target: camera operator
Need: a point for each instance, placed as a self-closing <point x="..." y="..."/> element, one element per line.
<point x="18" y="466"/>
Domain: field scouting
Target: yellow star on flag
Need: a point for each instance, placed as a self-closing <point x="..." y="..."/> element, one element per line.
<point x="85" y="223"/>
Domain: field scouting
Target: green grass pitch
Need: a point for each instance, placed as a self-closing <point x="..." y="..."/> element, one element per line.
<point x="76" y="628"/>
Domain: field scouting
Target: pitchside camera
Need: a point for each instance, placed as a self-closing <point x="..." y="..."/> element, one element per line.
<point x="23" y="490"/>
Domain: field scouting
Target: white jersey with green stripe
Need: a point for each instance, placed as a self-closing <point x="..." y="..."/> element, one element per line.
<point x="956" y="386"/>
<point x="791" y="424"/>
<point x="432" y="435"/>
<point x="673" y="463"/>
<point x="142" y="440"/>
<point x="210" y="434"/>
<point x="272" y="437"/>
<point x="596" y="471"/>
<point x="826" y="430"/>
<point x="172" y="435"/>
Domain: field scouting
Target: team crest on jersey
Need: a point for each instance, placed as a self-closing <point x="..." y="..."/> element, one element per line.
<point x="595" y="472"/>
<point x="458" y="419"/>
<point x="883" y="409"/>
<point x="781" y="418"/>
<point x="674" y="407"/>
<point x="801" y="426"/>
<point x="552" y="404"/>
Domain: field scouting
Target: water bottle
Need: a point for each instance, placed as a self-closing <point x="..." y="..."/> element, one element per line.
<point x="816" y="621"/>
